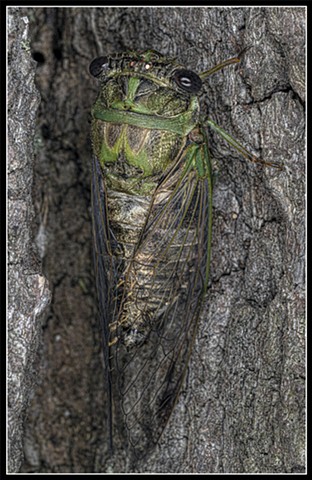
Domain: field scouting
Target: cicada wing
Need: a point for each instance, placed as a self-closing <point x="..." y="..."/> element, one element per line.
<point x="166" y="281"/>
<point x="105" y="267"/>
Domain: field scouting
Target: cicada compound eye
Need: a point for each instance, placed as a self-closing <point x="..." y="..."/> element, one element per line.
<point x="187" y="80"/>
<point x="98" y="65"/>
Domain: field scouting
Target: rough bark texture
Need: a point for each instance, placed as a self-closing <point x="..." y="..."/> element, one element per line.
<point x="242" y="405"/>
<point x="28" y="293"/>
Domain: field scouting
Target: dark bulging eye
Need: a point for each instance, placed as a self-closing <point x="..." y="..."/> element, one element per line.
<point x="187" y="80"/>
<point x="98" y="65"/>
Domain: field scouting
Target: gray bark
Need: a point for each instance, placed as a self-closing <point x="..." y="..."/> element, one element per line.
<point x="28" y="293"/>
<point x="241" y="408"/>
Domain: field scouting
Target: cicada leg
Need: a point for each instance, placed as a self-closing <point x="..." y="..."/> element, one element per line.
<point x="239" y="147"/>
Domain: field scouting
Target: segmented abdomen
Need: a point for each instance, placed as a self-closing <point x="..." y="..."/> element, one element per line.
<point x="156" y="249"/>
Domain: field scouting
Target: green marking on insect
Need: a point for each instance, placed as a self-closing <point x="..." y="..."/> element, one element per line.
<point x="152" y="188"/>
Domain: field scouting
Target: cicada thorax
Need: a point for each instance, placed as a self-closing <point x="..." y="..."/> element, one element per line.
<point x="133" y="159"/>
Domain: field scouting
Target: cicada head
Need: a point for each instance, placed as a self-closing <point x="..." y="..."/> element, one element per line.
<point x="147" y="83"/>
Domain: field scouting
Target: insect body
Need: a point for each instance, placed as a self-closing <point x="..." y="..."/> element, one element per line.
<point x="152" y="209"/>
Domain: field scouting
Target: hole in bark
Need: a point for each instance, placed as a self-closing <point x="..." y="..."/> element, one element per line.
<point x="39" y="57"/>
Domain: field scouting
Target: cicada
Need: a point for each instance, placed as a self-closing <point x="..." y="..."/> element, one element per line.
<point x="152" y="183"/>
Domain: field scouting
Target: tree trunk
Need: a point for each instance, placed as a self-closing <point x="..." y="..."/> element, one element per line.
<point x="241" y="408"/>
<point x="28" y="293"/>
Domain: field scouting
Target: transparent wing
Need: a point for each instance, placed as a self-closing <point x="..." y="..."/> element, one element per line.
<point x="163" y="286"/>
<point x="106" y="273"/>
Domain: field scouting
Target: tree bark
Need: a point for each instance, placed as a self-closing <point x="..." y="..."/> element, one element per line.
<point x="28" y="293"/>
<point x="241" y="409"/>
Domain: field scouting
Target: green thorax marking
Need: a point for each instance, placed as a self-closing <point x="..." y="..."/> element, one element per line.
<point x="122" y="149"/>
